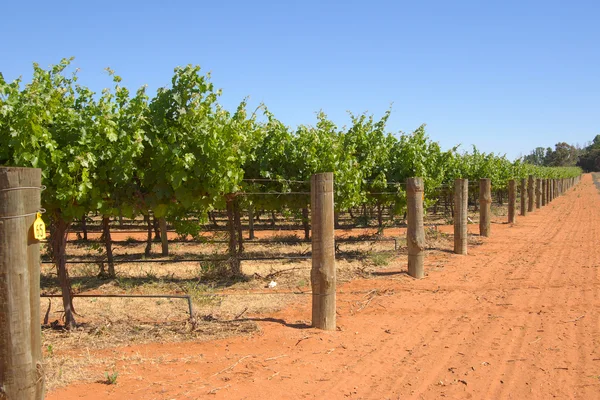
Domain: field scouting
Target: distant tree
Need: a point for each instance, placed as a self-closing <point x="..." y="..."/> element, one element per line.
<point x="564" y="155"/>
<point x="589" y="158"/>
<point x="536" y="157"/>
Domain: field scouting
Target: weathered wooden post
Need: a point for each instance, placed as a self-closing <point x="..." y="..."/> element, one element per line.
<point x="415" y="234"/>
<point x="543" y="192"/>
<point x="21" y="371"/>
<point x="538" y="193"/>
<point x="523" y="197"/>
<point x="547" y="191"/>
<point x="485" y="202"/>
<point x="323" y="274"/>
<point x="461" y="197"/>
<point x="530" y="193"/>
<point x="512" y="200"/>
<point x="162" y="223"/>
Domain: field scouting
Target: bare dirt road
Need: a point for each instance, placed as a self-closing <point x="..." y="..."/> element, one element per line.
<point x="516" y="318"/>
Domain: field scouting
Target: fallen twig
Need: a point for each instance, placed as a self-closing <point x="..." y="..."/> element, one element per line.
<point x="274" y="274"/>
<point x="364" y="304"/>
<point x="242" y="313"/>
<point x="574" y="320"/>
<point x="275" y="358"/>
<point x="231" y="366"/>
<point x="301" y="339"/>
<point x="274" y="375"/>
<point x="215" y="390"/>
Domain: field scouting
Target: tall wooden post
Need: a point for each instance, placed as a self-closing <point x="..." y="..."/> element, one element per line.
<point x="461" y="197"/>
<point x="548" y="190"/>
<point x="162" y="223"/>
<point x="523" y="197"/>
<point x="415" y="234"/>
<point x="485" y="202"/>
<point x="543" y="192"/>
<point x="21" y="371"/>
<point x="323" y="274"/>
<point x="538" y="193"/>
<point x="530" y="194"/>
<point x="512" y="201"/>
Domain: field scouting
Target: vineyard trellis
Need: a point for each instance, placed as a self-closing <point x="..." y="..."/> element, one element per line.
<point x="123" y="154"/>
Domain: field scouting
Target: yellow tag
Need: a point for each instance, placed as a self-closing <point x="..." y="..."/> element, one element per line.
<point x="39" y="228"/>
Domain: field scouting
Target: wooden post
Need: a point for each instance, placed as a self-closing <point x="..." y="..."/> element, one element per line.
<point x="162" y="223"/>
<point x="538" y="193"/>
<point x="512" y="200"/>
<point x="461" y="197"/>
<point x="530" y="194"/>
<point x="523" y="197"/>
<point x="323" y="274"/>
<point x="21" y="371"/>
<point x="485" y="202"/>
<point x="415" y="234"/>
<point x="548" y="188"/>
<point x="543" y="192"/>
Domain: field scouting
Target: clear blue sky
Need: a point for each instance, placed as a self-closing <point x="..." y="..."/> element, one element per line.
<point x="506" y="75"/>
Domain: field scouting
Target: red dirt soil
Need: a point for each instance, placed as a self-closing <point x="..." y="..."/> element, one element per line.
<point x="516" y="318"/>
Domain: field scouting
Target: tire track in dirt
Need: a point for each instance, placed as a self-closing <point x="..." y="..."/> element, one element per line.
<point x="516" y="340"/>
<point x="544" y="276"/>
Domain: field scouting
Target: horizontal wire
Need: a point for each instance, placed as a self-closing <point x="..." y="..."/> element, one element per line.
<point x="41" y="211"/>
<point x="40" y="188"/>
<point x="274" y="180"/>
<point x="273" y="193"/>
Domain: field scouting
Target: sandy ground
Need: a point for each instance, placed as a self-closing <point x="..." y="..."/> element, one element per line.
<point x="516" y="318"/>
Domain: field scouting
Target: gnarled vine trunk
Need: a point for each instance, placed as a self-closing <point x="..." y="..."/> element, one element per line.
<point x="148" y="249"/>
<point x="251" y="222"/>
<point x="238" y="225"/>
<point x="58" y="240"/>
<point x="234" y="261"/>
<point x="305" y="224"/>
<point x="84" y="228"/>
<point x="108" y="246"/>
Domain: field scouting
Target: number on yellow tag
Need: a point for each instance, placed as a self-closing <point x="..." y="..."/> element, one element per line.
<point x="39" y="228"/>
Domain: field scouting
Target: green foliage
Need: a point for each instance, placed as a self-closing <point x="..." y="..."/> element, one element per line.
<point x="50" y="124"/>
<point x="181" y="153"/>
<point x="111" y="379"/>
<point x="589" y="159"/>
